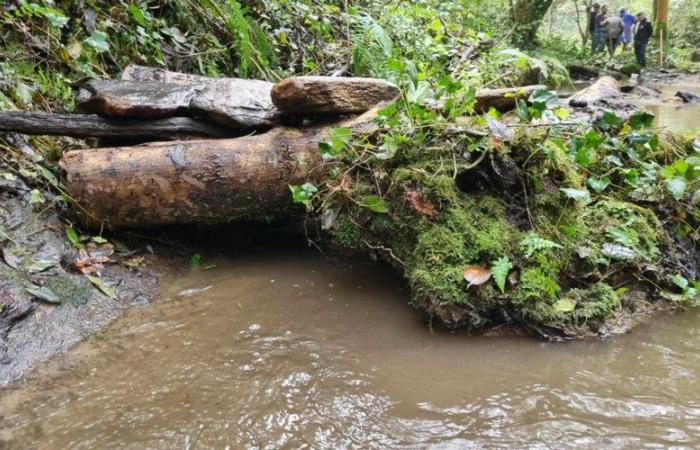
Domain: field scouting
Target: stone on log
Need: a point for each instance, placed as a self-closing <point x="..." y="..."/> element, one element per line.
<point x="315" y="95"/>
<point x="237" y="103"/>
<point x="115" y="98"/>
<point x="503" y="99"/>
<point x="146" y="92"/>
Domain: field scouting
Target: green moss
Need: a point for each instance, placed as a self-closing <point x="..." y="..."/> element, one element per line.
<point x="617" y="225"/>
<point x="589" y="307"/>
<point x="72" y="291"/>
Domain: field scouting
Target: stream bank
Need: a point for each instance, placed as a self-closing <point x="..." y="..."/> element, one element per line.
<point x="37" y="246"/>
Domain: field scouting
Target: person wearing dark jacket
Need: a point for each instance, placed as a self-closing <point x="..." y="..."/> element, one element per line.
<point x="593" y="13"/>
<point x="642" y="34"/>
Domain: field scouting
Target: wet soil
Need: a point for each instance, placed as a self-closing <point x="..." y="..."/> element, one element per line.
<point x="37" y="256"/>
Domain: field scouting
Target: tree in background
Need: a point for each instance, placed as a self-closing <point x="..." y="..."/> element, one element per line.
<point x="526" y="17"/>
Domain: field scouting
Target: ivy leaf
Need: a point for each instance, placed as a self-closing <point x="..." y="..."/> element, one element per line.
<point x="676" y="186"/>
<point x="599" y="184"/>
<point x="609" y="121"/>
<point x="388" y="149"/>
<point x="375" y="203"/>
<point x="98" y="41"/>
<point x="304" y="193"/>
<point x="641" y="119"/>
<point x="99" y="284"/>
<point x="564" y="305"/>
<point x="56" y="19"/>
<point x="500" y="269"/>
<point x="579" y="195"/>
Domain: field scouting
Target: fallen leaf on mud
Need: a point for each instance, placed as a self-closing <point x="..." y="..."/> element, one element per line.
<point x="99" y="284"/>
<point x="13" y="256"/>
<point x="476" y="275"/>
<point x="133" y="263"/>
<point x="41" y="265"/>
<point x="88" y="264"/>
<point x="190" y="292"/>
<point x="44" y="293"/>
<point x="499" y="129"/>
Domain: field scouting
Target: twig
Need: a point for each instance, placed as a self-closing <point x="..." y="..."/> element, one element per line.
<point x="386" y="249"/>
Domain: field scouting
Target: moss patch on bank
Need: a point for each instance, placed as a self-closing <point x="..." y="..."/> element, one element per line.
<point x="572" y="228"/>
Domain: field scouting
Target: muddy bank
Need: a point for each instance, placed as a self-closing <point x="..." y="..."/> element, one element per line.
<point x="46" y="304"/>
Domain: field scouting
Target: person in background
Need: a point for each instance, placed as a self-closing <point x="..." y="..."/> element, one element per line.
<point x="615" y="30"/>
<point x="628" y="21"/>
<point x="601" y="28"/>
<point x="592" y="14"/>
<point x="642" y="33"/>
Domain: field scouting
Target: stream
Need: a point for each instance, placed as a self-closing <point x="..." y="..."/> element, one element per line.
<point x="289" y="350"/>
<point x="285" y="348"/>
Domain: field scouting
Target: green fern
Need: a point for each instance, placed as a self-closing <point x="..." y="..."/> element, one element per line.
<point x="499" y="270"/>
<point x="532" y="244"/>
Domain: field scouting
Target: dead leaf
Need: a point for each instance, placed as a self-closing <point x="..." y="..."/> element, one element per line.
<point x="133" y="263"/>
<point x="422" y="206"/>
<point x="89" y="264"/>
<point x="476" y="275"/>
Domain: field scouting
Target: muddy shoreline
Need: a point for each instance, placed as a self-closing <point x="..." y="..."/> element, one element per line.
<point x="47" y="305"/>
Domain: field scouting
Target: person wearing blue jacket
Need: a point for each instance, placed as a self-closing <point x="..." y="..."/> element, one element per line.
<point x="628" y="21"/>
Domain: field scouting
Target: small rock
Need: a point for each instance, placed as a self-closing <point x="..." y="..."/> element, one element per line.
<point x="331" y="95"/>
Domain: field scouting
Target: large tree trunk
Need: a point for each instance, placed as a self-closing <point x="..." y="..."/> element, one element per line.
<point x="200" y="181"/>
<point x="190" y="181"/>
<point x="526" y="17"/>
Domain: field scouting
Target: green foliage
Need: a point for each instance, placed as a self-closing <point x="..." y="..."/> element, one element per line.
<point x="303" y="194"/>
<point x="532" y="244"/>
<point x="500" y="269"/>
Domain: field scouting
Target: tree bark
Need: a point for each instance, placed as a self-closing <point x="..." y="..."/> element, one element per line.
<point x="526" y="17"/>
<point x="88" y="125"/>
<point x="202" y="181"/>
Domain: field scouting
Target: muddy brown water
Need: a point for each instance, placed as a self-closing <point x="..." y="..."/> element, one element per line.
<point x="674" y="117"/>
<point x="289" y="350"/>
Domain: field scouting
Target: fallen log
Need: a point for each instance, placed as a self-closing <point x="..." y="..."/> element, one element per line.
<point x="88" y="125"/>
<point x="606" y="89"/>
<point x="200" y="181"/>
<point x="331" y="95"/>
<point x="503" y="99"/>
<point x="232" y="102"/>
